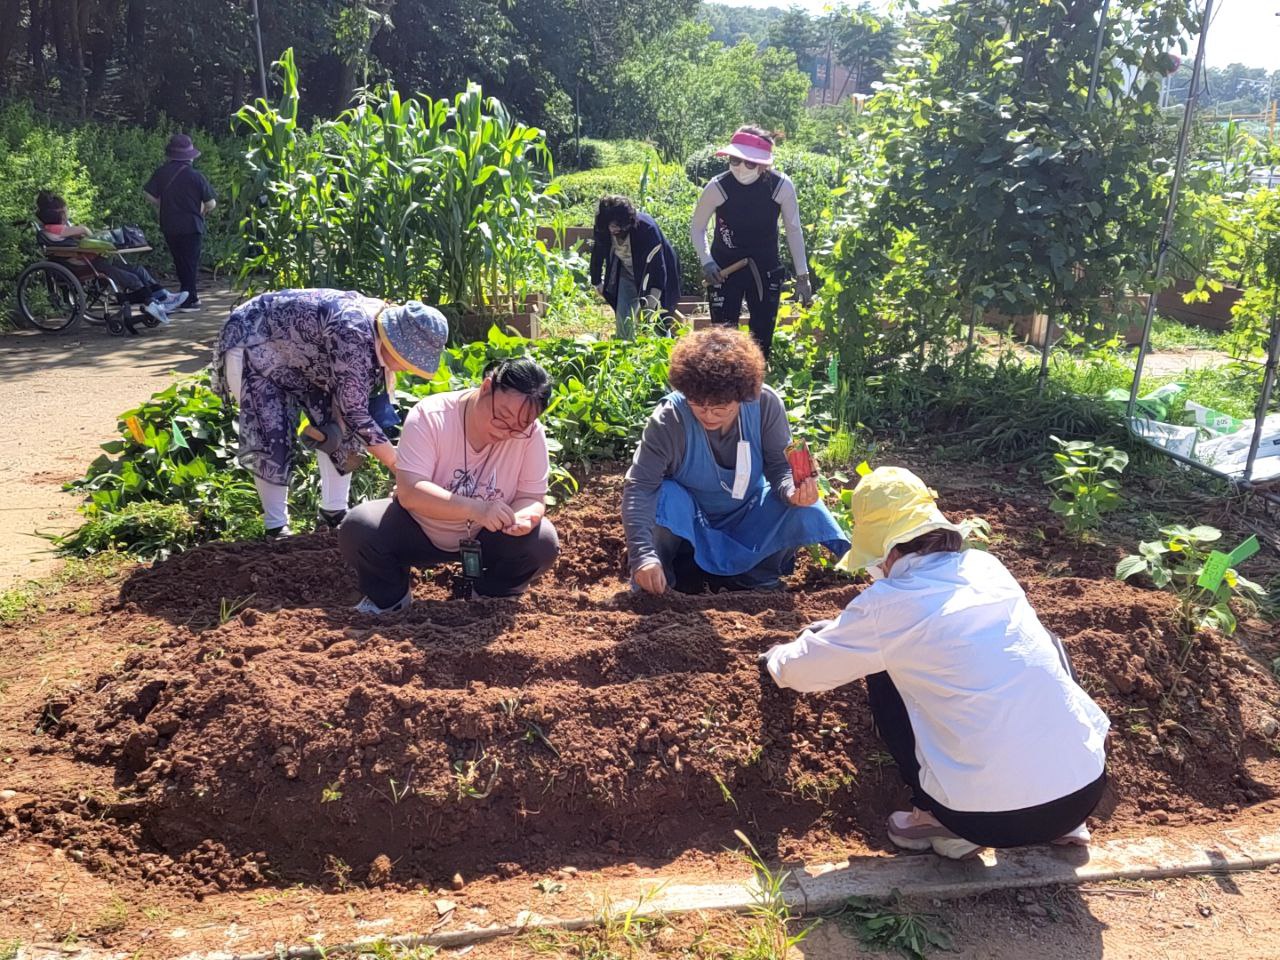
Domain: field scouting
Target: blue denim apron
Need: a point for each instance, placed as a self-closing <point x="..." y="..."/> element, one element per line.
<point x="731" y="536"/>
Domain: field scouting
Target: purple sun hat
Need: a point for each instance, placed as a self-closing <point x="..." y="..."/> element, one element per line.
<point x="180" y="147"/>
<point x="415" y="334"/>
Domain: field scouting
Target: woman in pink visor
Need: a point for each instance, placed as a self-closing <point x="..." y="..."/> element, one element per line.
<point x="747" y="201"/>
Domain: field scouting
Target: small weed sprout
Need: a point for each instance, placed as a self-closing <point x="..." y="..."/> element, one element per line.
<point x="467" y="775"/>
<point x="1082" y="490"/>
<point x="618" y="934"/>
<point x="229" y="608"/>
<point x="331" y="793"/>
<point x="725" y="793"/>
<point x="112" y="918"/>
<point x="771" y="936"/>
<point x="340" y="870"/>
<point x="533" y="734"/>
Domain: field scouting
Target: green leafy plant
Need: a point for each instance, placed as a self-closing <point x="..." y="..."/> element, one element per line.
<point x="893" y="927"/>
<point x="331" y="793"/>
<point x="1176" y="562"/>
<point x="771" y="936"/>
<point x="1082" y="489"/>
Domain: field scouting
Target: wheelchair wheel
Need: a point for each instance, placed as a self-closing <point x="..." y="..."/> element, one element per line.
<point x="50" y="297"/>
<point x="115" y="326"/>
<point x="98" y="308"/>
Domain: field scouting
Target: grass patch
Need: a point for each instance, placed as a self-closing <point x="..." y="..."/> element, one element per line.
<point x="22" y="602"/>
<point x="9" y="949"/>
<point x="1167" y="334"/>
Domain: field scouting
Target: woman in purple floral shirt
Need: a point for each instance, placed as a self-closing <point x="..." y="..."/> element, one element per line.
<point x="330" y="354"/>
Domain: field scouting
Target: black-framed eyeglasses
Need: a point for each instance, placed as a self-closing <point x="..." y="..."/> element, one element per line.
<point x="738" y="161"/>
<point x="513" y="431"/>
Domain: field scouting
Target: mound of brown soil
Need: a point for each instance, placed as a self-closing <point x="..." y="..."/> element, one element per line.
<point x="272" y="731"/>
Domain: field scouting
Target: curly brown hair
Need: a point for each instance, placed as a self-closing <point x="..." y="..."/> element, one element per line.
<point x="717" y="365"/>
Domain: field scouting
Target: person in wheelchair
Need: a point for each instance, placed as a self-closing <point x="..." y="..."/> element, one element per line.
<point x="134" y="284"/>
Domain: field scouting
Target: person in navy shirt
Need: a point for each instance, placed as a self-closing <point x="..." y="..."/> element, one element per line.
<point x="183" y="196"/>
<point x="632" y="264"/>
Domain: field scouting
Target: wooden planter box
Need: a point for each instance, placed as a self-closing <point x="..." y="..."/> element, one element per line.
<point x="524" y="319"/>
<point x="1214" y="314"/>
<point x="1126" y="319"/>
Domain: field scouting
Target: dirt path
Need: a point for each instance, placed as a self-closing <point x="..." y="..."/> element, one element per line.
<point x="63" y="394"/>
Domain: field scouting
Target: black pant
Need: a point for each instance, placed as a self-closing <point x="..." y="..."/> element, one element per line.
<point x="383" y="543"/>
<point x="136" y="284"/>
<point x="761" y="291"/>
<point x="185" y="249"/>
<point x="1008" y="828"/>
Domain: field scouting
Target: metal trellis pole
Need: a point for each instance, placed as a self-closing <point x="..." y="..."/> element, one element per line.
<point x="1166" y="233"/>
<point x="1268" y="383"/>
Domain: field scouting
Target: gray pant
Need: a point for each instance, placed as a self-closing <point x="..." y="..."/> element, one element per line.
<point x="383" y="543"/>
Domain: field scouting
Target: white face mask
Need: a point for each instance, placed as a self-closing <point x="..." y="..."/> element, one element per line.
<point x="743" y="175"/>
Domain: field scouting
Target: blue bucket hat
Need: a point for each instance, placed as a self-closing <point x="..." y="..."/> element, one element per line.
<point x="415" y="334"/>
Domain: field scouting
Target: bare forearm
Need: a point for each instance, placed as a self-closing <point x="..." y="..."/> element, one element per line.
<point x="431" y="500"/>
<point x="529" y="508"/>
<point x="385" y="454"/>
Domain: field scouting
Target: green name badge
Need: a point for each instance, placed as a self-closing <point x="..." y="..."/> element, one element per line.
<point x="1216" y="567"/>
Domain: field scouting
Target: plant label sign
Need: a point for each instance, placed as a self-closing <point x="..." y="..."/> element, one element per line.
<point x="1215" y="568"/>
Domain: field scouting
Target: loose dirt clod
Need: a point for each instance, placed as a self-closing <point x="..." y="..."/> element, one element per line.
<point x="580" y="724"/>
<point x="379" y="870"/>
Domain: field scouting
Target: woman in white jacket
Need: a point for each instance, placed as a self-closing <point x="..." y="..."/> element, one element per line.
<point x="974" y="698"/>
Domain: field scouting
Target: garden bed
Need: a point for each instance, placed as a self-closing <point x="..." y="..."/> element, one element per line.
<point x="257" y="731"/>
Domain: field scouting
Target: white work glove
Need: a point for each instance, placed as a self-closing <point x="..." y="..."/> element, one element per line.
<point x="712" y="273"/>
<point x="804" y="291"/>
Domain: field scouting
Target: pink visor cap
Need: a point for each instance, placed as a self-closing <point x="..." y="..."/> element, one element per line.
<point x="747" y="146"/>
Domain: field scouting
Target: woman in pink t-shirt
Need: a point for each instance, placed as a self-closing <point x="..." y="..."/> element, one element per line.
<point x="471" y="485"/>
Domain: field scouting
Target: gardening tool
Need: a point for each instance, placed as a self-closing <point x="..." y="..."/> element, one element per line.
<point x="715" y="296"/>
<point x="324" y="437"/>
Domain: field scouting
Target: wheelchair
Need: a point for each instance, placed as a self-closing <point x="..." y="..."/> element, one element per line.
<point x="67" y="286"/>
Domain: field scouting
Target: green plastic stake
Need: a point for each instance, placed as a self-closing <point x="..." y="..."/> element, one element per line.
<point x="1215" y="568"/>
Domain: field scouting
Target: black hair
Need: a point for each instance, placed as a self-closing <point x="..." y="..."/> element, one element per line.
<point x="521" y="375"/>
<point x="935" y="541"/>
<point x="615" y="208"/>
<point x="50" y="207"/>
<point x="755" y="131"/>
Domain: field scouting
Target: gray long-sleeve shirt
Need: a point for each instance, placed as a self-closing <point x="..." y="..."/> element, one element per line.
<point x="662" y="449"/>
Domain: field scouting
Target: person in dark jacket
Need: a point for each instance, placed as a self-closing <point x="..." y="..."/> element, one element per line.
<point x="183" y="197"/>
<point x="632" y="264"/>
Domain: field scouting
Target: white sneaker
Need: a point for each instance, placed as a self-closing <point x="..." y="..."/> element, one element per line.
<point x="917" y="829"/>
<point x="155" y="310"/>
<point x="172" y="301"/>
<point x="1079" y="837"/>
<point x="368" y="606"/>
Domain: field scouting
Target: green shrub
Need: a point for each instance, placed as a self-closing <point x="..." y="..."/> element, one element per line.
<point x="595" y="154"/>
<point x="580" y="192"/>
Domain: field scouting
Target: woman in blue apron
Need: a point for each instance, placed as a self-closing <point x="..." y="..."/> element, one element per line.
<point x="710" y="493"/>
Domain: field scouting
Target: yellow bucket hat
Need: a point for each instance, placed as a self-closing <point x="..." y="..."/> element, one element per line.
<point x="890" y="505"/>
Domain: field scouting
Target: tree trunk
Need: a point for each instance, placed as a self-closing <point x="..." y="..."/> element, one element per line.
<point x="10" y="12"/>
<point x="36" y="31"/>
<point x="76" y="26"/>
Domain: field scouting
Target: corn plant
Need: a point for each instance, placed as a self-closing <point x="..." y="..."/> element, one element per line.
<point x="1082" y="490"/>
<point x="398" y="197"/>
<point x="1175" y="563"/>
